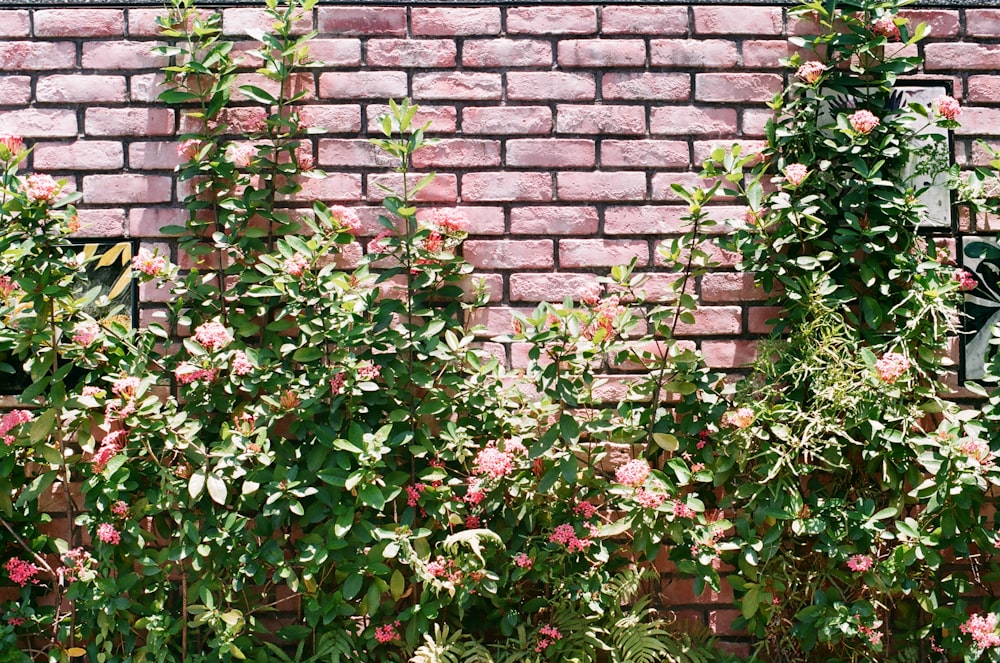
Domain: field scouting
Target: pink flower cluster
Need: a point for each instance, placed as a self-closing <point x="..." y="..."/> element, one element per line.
<point x="413" y="493"/>
<point x="547" y="635"/>
<point x="107" y="533"/>
<point x="346" y="218"/>
<point x="76" y="562"/>
<point x="891" y="366"/>
<point x="633" y="473"/>
<point x="337" y="383"/>
<point x="523" y="561"/>
<point x="977" y="450"/>
<point x="983" y="629"/>
<point x="213" y="335"/>
<point x="367" y="371"/>
<point x="585" y="509"/>
<point x="12" y="143"/>
<point x="240" y="363"/>
<point x="377" y="243"/>
<point x="242" y="156"/>
<point x="387" y="632"/>
<point x="966" y="281"/>
<point x="493" y="462"/>
<point x="605" y="314"/>
<point x="795" y="173"/>
<point x="149" y="263"/>
<point x="885" y="27"/>
<point x="566" y="535"/>
<point x="7" y="286"/>
<point x="682" y="510"/>
<point x="296" y="264"/>
<point x="860" y="563"/>
<point x="126" y="387"/>
<point x="9" y="421"/>
<point x="446" y="221"/>
<point x="110" y="446"/>
<point x="740" y="418"/>
<point x="810" y="72"/>
<point x="85" y="333"/>
<point x="189" y="149"/>
<point x="187" y="373"/>
<point x="947" y="107"/>
<point x="474" y="495"/>
<point x="22" y="572"/>
<point x="40" y="188"/>
<point x="649" y="499"/>
<point x="863" y="121"/>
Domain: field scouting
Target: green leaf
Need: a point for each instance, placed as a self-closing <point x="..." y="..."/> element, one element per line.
<point x="196" y="484"/>
<point x="397" y="584"/>
<point x="257" y="94"/>
<point x="352" y="585"/>
<point x="217" y="489"/>
<point x="307" y="354"/>
<point x="569" y="428"/>
<point x="666" y="441"/>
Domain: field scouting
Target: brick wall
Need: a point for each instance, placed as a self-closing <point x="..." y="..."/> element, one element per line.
<point x="562" y="129"/>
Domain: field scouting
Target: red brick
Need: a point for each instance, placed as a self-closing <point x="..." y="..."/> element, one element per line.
<point x="507" y="120"/>
<point x="552" y="20"/>
<point x="129" y="122"/>
<point x="703" y="148"/>
<point x="529" y="85"/>
<point x="297" y="83"/>
<point x="459" y="153"/>
<point x="561" y="220"/>
<point x="411" y="53"/>
<point x="575" y="253"/>
<point x="81" y="155"/>
<point x="721" y="622"/>
<point x="79" y="22"/>
<point x="126" y="189"/>
<point x="336" y="52"/>
<point x="644" y="20"/>
<point x="662" y="182"/>
<point x="446" y="21"/>
<point x="363" y="84"/>
<point x="692" y="120"/>
<point x="37" y="55"/>
<point x="961" y="56"/>
<point x="713" y="321"/>
<point x="755" y="122"/>
<point x="340" y="187"/>
<point x="602" y="119"/>
<point x="766" y="54"/>
<point x="729" y="354"/>
<point x="154" y="292"/>
<point x="601" y="186"/>
<point x="661" y="87"/>
<point x="457" y="85"/>
<point x="982" y="22"/>
<point x="496" y="319"/>
<point x="145" y="87"/>
<point x="550" y="287"/>
<point x="147" y="221"/>
<point x="353" y="152"/>
<point x="14" y="23"/>
<point x="550" y="153"/>
<point x="736" y="87"/>
<point x="657" y="288"/>
<point x="334" y="119"/>
<point x="101" y="222"/>
<point x="506" y="187"/>
<point x="15" y="90"/>
<point x="362" y="20"/>
<point x="984" y="89"/>
<point x="41" y="123"/>
<point x="509" y="254"/>
<point x="758" y="317"/>
<point x="482" y="220"/>
<point x="442" y="190"/>
<point x="122" y="55"/>
<point x="442" y="119"/>
<point x="979" y="122"/>
<point x="645" y="153"/>
<point x="78" y="88"/>
<point x="160" y="155"/>
<point x="693" y="53"/>
<point x="736" y="19"/>
<point x="142" y="22"/>
<point x="506" y="53"/>
<point x="943" y="23"/>
<point x="645" y="220"/>
<point x="243" y="21"/>
<point x="602" y="53"/>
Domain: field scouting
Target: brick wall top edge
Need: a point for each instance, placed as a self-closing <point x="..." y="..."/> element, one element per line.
<point x="124" y="4"/>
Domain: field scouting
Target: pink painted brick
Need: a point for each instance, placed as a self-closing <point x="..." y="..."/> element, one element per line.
<point x="506" y="186"/>
<point x="127" y="189"/>
<point x="482" y="220"/>
<point x="458" y="21"/>
<point x="459" y="153"/>
<point x="645" y="153"/>
<point x="457" y="85"/>
<point x="353" y="152"/>
<point x="411" y="53"/>
<point x="129" y="121"/>
<point x="496" y="319"/>
<point x="80" y="155"/>
<point x="15" y="23"/>
<point x="943" y="23"/>
<point x="982" y="22"/>
<point x="552" y="20"/>
<point x="964" y="56"/>
<point x="736" y="87"/>
<point x="531" y="85"/>
<point x="602" y="53"/>
<point x="15" y="90"/>
<point x="550" y="287"/>
<point x="339" y="187"/>
<point x="101" y="222"/>
<point x="601" y="186"/>
<point x="79" y="23"/>
<point x="298" y="83"/>
<point x="662" y="189"/>
<point x="703" y="148"/>
<point x="693" y="53"/>
<point x="730" y="287"/>
<point x="587" y="119"/>
<point x="37" y="55"/>
<point x="561" y="220"/>
<point x="507" y="120"/>
<point x="509" y="253"/>
<point x="363" y="84"/>
<point x="658" y="288"/>
<point x="692" y="120"/>
<point x="242" y="21"/>
<point x="362" y="20"/>
<point x="122" y="55"/>
<point x="755" y="122"/>
<point x="147" y="221"/>
<point x="646" y="85"/>
<point x="761" y="54"/>
<point x="444" y="188"/>
<point x="153" y="155"/>
<point x="550" y="153"/>
<point x="760" y="319"/>
<point x="336" y="52"/>
<point x="645" y="220"/>
<point x="575" y="253"/>
<point x="79" y="88"/>
<point x="41" y="123"/>
<point x="979" y="122"/>
<point x="142" y="22"/>
<point x="442" y="119"/>
<point x="506" y="53"/>
<point x="145" y="87"/>
<point x="729" y="354"/>
<point x="713" y="321"/>
<point x="737" y="19"/>
<point x="982" y="88"/>
<point x="334" y="118"/>
<point x="644" y="20"/>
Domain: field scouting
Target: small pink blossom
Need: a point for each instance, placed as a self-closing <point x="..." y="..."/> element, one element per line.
<point x="304" y="157"/>
<point x="85" y="333"/>
<point x="795" y="173"/>
<point x="891" y="366"/>
<point x="649" y="500"/>
<point x="977" y="450"/>
<point x="966" y="281"/>
<point x="437" y="568"/>
<point x="523" y="561"/>
<point x="110" y="446"/>
<point x="885" y="27"/>
<point x="633" y="473"/>
<point x="107" y="533"/>
<point x="863" y="121"/>
<point x="387" y="632"/>
<point x="76" y="562"/>
<point x="126" y="387"/>
<point x="377" y="244"/>
<point x="40" y="188"/>
<point x="585" y="510"/>
<point x="739" y="418"/>
<point x="120" y="509"/>
<point x="682" y="510"/>
<point x="94" y="392"/>
<point x="983" y="629"/>
<point x="22" y="572"/>
<point x="7" y="286"/>
<point x="493" y="462"/>
<point x="9" y="421"/>
<point x="12" y="143"/>
<point x="473" y="522"/>
<point x="242" y="156"/>
<point x="565" y="534"/>
<point x="413" y="493"/>
<point x="947" y="107"/>
<point x="605" y="314"/>
<point x="860" y="563"/>
<point x="337" y="383"/>
<point x="188" y="373"/>
<point x="189" y="149"/>
<point x="296" y="264"/>
<point x="547" y="635"/>
<point x="213" y="335"/>
<point x="149" y="263"/>
<point x="367" y="371"/>
<point x="810" y="72"/>
<point x="346" y="218"/>
<point x="474" y="495"/>
<point x="446" y="221"/>
<point x="240" y="363"/>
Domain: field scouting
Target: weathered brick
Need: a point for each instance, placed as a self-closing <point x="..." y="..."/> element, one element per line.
<point x="550" y="287"/>
<point x="983" y="89"/>
<point x="607" y="120"/>
<point x="506" y="53"/>
<point x="243" y="21"/>
<point x="645" y="153"/>
<point x="153" y="155"/>
<point x="531" y="85"/>
<point x="560" y="220"/>
<point x="943" y="23"/>
<point x="713" y="321"/>
<point x="80" y="155"/>
<point x="729" y="353"/>
<point x="411" y="53"/>
<point x="15" y="23"/>
<point x="645" y="220"/>
<point x="362" y="20"/>
<point x="37" y="55"/>
<point x="646" y="85"/>
<point x="601" y="186"/>
<point x="442" y="119"/>
<point x="979" y="122"/>
<point x="509" y="254"/>
<point x="703" y="148"/>
<point x="120" y="55"/>
<point x="760" y="319"/>
<point x="721" y="622"/>
<point x="644" y="20"/>
<point x="730" y="287"/>
<point x="363" y="84"/>
<point x="38" y="122"/>
<point x="505" y="186"/>
<point x="147" y="221"/>
<point x="482" y="220"/>
<point x="982" y="22"/>
<point x="336" y="52"/>
<point x="459" y="153"/>
<point x="128" y="189"/>
<point x="79" y="88"/>
<point x="550" y="153"/>
<point x="142" y="22"/>
<point x="129" y="121"/>
<point x="766" y="54"/>
<point x="552" y="20"/>
<point x="746" y="88"/>
<point x="693" y="53"/>
<point x="738" y="19"/>
<point x="79" y="22"/>
<point x="446" y="21"/>
<point x="15" y="90"/>
<point x="145" y="87"/>
<point x="575" y="253"/>
<point x="353" y="152"/>
<point x="692" y="120"/>
<point x="457" y="85"/>
<point x="662" y="182"/>
<point x="507" y="120"/>
<point x="340" y="187"/>
<point x="333" y="118"/>
<point x="602" y="53"/>
<point x="964" y="56"/>
<point x="444" y="188"/>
